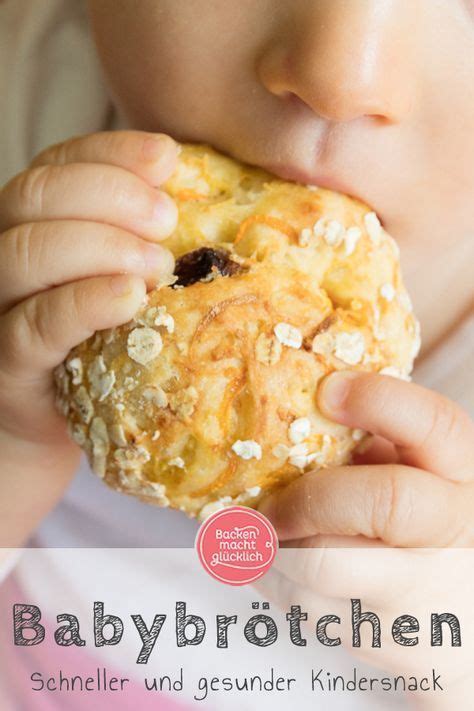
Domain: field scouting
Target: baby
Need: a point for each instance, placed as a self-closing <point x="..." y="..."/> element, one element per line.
<point x="372" y="98"/>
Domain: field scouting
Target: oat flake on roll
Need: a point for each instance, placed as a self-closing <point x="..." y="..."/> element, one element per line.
<point x="208" y="397"/>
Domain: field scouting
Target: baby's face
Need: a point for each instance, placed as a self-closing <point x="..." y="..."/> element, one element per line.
<point x="371" y="97"/>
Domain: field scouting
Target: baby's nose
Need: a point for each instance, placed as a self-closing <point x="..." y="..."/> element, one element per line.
<point x="346" y="59"/>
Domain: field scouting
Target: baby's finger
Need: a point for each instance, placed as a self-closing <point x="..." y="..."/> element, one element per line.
<point x="83" y="191"/>
<point x="376" y="450"/>
<point x="393" y="503"/>
<point x="429" y="431"/>
<point x="331" y="619"/>
<point x="38" y="334"/>
<point x="284" y="591"/>
<point x="354" y="566"/>
<point x="151" y="156"/>
<point x="40" y="255"/>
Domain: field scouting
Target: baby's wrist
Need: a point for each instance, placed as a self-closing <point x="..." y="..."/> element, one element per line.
<point x="33" y="477"/>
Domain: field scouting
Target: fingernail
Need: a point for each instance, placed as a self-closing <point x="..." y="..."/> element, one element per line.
<point x="155" y="147"/>
<point x="120" y="285"/>
<point x="165" y="216"/>
<point x="157" y="259"/>
<point x="335" y="390"/>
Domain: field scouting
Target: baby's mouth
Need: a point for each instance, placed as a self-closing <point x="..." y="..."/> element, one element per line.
<point x="320" y="180"/>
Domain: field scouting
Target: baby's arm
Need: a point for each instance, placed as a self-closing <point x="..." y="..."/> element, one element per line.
<point x="76" y="255"/>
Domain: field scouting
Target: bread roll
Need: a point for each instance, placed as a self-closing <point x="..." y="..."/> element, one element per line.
<point x="208" y="396"/>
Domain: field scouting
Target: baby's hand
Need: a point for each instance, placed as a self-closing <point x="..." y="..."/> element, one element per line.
<point x="77" y="251"/>
<point x="415" y="486"/>
<point x="366" y="529"/>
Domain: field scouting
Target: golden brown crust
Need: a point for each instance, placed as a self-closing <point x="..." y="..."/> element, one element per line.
<point x="208" y="397"/>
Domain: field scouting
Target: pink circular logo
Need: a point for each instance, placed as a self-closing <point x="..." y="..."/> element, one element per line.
<point x="236" y="545"/>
